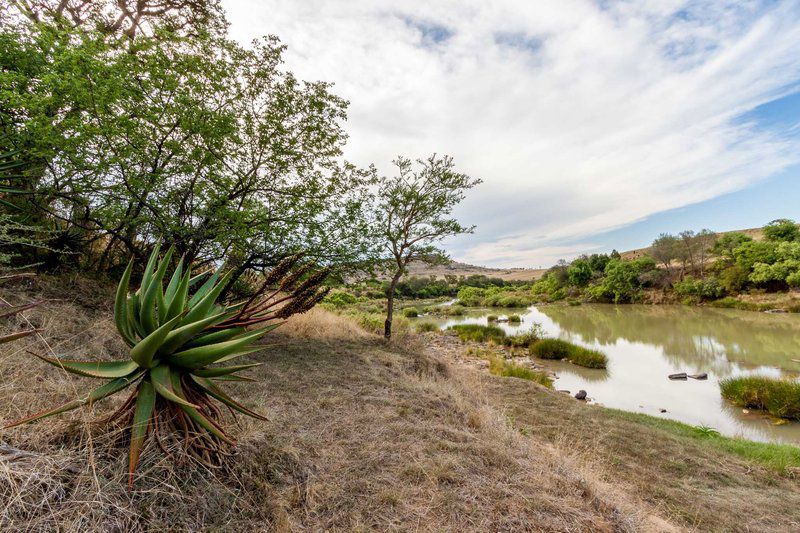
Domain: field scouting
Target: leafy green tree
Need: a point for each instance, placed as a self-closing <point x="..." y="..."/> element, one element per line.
<point x="215" y="148"/>
<point x="579" y="273"/>
<point x="413" y="215"/>
<point x="781" y="230"/>
<point x="665" y="249"/>
<point x="724" y="246"/>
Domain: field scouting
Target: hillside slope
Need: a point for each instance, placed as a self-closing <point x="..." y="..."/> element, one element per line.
<point x="363" y="436"/>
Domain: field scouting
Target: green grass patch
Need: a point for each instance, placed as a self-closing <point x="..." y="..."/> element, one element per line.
<point x="523" y="340"/>
<point x="779" y="397"/>
<point x="491" y="318"/>
<point x="501" y="367"/>
<point x="560" y="349"/>
<point x="410" y="312"/>
<point x="424" y="327"/>
<point x="514" y="319"/>
<point x="479" y="333"/>
<point x="775" y="456"/>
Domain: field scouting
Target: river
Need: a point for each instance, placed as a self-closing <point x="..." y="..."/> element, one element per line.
<point x="645" y="344"/>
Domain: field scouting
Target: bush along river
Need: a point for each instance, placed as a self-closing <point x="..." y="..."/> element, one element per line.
<point x="646" y="344"/>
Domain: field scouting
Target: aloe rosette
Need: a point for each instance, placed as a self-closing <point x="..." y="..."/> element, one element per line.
<point x="182" y="346"/>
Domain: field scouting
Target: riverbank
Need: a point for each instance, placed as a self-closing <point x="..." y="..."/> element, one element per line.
<point x="368" y="436"/>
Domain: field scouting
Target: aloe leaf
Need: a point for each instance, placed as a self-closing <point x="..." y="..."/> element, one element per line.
<point x="213" y="390"/>
<point x="178" y="303"/>
<point x="172" y="289"/>
<point x="97" y="394"/>
<point x="205" y="287"/>
<point x="147" y="313"/>
<point x="162" y="381"/>
<point x="146" y="348"/>
<point x="18" y="335"/>
<point x="205" y="355"/>
<point x="234" y="377"/>
<point x="145" y="403"/>
<point x="148" y="271"/>
<point x="121" y="307"/>
<point x="216" y="336"/>
<point x="178" y="336"/>
<point x="93" y="369"/>
<point x="222" y="370"/>
<point x="201" y="308"/>
<point x="198" y="417"/>
<point x="18" y="309"/>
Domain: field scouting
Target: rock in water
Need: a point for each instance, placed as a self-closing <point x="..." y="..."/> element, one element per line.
<point x="680" y="375"/>
<point x="581" y="395"/>
<point x="662" y="410"/>
<point x="702" y="375"/>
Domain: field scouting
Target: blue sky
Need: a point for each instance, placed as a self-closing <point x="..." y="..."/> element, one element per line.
<point x="593" y="124"/>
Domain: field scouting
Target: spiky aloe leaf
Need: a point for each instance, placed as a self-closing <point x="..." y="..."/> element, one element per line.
<point x="10" y="311"/>
<point x="222" y="370"/>
<point x="178" y="303"/>
<point x="97" y="394"/>
<point x="197" y="416"/>
<point x="178" y="336"/>
<point x="162" y="381"/>
<point x="148" y="270"/>
<point x="202" y="308"/>
<point x="93" y="369"/>
<point x="146" y="348"/>
<point x="147" y="314"/>
<point x="205" y="287"/>
<point x="121" y="318"/>
<point x="172" y="290"/>
<point x="215" y="337"/>
<point x="213" y="390"/>
<point x="18" y="335"/>
<point x="206" y="355"/>
<point x="145" y="403"/>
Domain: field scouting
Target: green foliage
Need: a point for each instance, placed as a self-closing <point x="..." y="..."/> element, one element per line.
<point x="552" y="349"/>
<point x="706" y="431"/>
<point x="623" y="280"/>
<point x="707" y="289"/>
<point x="471" y="296"/>
<point x="410" y="312"/>
<point x="178" y="343"/>
<point x="514" y="319"/>
<point x="340" y="299"/>
<point x="424" y="327"/>
<point x="501" y="367"/>
<point x="560" y="349"/>
<point x="491" y="318"/>
<point x="526" y="338"/>
<point x="779" y="397"/>
<point x="733" y="279"/>
<point x="479" y="333"/>
<point x="579" y="273"/>
<point x="782" y="230"/>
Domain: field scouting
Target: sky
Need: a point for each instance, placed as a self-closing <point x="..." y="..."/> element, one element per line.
<point x="593" y="124"/>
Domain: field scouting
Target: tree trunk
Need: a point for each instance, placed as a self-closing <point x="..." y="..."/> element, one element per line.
<point x="387" y="326"/>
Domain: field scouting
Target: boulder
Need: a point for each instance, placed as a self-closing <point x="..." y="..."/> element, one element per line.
<point x="662" y="410"/>
<point x="680" y="375"/>
<point x="580" y="395"/>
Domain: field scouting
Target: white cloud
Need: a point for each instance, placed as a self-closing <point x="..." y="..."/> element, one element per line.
<point x="579" y="116"/>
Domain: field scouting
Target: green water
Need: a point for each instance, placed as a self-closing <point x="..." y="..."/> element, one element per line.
<point x="646" y="343"/>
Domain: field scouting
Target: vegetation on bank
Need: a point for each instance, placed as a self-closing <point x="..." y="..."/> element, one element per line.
<point x="496" y="335"/>
<point x="502" y="367"/>
<point x="558" y="349"/>
<point x="779" y="397"/>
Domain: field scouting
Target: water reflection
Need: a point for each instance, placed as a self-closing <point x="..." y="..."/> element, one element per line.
<point x="646" y="343"/>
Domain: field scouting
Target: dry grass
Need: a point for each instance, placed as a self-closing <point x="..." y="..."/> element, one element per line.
<point x="362" y="435"/>
<point x="689" y="481"/>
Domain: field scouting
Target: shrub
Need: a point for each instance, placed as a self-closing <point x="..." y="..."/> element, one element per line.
<point x="514" y="319"/>
<point x="471" y="296"/>
<point x="410" y="312"/>
<point x="525" y="339"/>
<point x="479" y="333"/>
<point x="779" y="397"/>
<point x="702" y="288"/>
<point x="340" y="299"/>
<point x="551" y="349"/>
<point x="560" y="349"/>
<point x="501" y="367"/>
<point x="176" y="342"/>
<point x="424" y="327"/>
<point x="734" y="279"/>
<point x="588" y="358"/>
<point x="491" y="318"/>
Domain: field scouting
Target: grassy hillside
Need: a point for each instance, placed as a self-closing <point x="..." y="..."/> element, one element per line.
<point x="367" y="436"/>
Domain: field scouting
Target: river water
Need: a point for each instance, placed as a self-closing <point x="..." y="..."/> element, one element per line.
<point x="645" y="344"/>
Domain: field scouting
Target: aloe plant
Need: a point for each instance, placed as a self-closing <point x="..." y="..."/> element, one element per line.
<point x="182" y="346"/>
